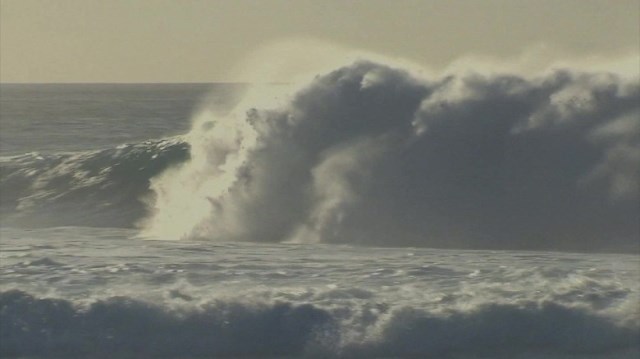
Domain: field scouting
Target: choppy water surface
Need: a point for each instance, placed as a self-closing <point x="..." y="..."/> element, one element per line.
<point x="73" y="291"/>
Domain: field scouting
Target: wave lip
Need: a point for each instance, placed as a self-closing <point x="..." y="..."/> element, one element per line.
<point x="125" y="327"/>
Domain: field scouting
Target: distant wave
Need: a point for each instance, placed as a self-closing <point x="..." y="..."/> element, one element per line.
<point x="126" y="327"/>
<point x="93" y="188"/>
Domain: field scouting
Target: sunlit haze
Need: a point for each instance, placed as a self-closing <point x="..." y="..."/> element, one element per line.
<point x="206" y="41"/>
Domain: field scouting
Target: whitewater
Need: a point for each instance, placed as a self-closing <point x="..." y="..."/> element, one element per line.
<point x="367" y="212"/>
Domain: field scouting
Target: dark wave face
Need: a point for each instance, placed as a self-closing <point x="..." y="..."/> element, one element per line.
<point x="103" y="188"/>
<point x="125" y="327"/>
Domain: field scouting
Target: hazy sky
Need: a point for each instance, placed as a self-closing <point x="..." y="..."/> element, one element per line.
<point x="203" y="40"/>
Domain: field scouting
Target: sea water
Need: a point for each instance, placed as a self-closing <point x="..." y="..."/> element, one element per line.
<point x="77" y="278"/>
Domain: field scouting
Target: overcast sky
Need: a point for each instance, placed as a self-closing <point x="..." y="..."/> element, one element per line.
<point x="203" y="40"/>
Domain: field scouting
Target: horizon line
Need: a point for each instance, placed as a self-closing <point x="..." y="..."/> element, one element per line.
<point x="145" y="83"/>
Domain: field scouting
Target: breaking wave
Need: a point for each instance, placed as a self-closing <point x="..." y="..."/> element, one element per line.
<point x="126" y="327"/>
<point x="370" y="154"/>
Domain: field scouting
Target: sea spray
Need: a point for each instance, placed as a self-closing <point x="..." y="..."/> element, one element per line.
<point x="188" y="196"/>
<point x="369" y="153"/>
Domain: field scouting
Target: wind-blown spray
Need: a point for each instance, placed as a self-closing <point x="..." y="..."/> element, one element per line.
<point x="369" y="153"/>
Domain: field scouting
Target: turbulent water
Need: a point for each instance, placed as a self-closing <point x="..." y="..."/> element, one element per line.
<point x="304" y="225"/>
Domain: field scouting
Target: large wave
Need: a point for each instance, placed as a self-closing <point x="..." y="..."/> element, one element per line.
<point x="126" y="327"/>
<point x="373" y="154"/>
<point x="370" y="154"/>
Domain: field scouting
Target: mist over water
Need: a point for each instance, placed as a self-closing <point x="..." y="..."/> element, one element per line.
<point x="371" y="154"/>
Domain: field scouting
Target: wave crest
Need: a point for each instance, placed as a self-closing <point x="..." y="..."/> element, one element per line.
<point x="124" y="326"/>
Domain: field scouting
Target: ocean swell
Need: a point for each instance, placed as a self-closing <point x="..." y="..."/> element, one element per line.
<point x="126" y="327"/>
<point x="102" y="188"/>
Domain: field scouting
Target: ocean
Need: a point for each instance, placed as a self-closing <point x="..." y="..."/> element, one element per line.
<point x="367" y="214"/>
